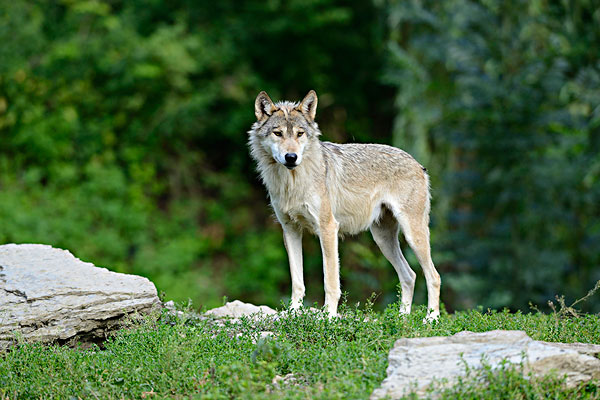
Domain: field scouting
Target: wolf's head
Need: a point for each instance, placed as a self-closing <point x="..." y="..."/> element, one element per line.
<point x="283" y="130"/>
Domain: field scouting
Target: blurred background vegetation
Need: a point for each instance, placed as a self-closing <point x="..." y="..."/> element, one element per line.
<point x="123" y="137"/>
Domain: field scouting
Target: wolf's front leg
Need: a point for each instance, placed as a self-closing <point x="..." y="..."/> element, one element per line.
<point x="328" y="237"/>
<point x="292" y="238"/>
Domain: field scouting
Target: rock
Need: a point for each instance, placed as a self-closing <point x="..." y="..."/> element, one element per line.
<point x="265" y="335"/>
<point x="279" y="381"/>
<point x="414" y="364"/>
<point x="583" y="348"/>
<point x="170" y="307"/>
<point x="237" y="309"/>
<point x="48" y="295"/>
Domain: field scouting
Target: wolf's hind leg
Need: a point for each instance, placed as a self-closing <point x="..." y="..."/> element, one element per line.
<point x="416" y="231"/>
<point x="292" y="238"/>
<point x="385" y="233"/>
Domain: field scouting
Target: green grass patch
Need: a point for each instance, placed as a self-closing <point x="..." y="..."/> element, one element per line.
<point x="509" y="383"/>
<point x="341" y="358"/>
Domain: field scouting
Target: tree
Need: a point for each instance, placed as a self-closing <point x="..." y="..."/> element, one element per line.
<point x="502" y="98"/>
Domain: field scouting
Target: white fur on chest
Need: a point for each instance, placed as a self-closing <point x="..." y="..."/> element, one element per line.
<point x="294" y="194"/>
<point x="299" y="207"/>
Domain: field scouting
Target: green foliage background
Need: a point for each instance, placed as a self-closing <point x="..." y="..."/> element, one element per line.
<point x="123" y="137"/>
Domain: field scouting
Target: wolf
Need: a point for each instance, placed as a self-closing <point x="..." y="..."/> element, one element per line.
<point x="331" y="189"/>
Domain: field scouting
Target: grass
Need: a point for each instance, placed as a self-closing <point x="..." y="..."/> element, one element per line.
<point x="343" y="358"/>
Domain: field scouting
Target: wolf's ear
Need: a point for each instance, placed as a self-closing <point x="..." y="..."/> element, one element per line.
<point x="263" y="106"/>
<point x="308" y="105"/>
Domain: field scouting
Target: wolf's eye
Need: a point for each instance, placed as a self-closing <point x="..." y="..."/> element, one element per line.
<point x="277" y="133"/>
<point x="300" y="133"/>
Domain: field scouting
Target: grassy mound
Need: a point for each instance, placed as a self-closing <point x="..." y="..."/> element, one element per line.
<point x="346" y="358"/>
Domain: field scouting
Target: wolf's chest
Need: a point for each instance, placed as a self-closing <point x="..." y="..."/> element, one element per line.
<point x="303" y="217"/>
<point x="301" y="212"/>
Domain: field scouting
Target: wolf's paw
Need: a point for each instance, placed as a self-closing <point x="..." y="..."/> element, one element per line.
<point x="405" y="309"/>
<point x="432" y="316"/>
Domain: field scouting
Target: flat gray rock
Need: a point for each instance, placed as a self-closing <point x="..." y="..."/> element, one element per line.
<point x="414" y="364"/>
<point x="584" y="348"/>
<point x="47" y="295"/>
<point x="236" y="309"/>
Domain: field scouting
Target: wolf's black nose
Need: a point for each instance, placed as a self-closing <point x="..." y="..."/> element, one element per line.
<point x="291" y="158"/>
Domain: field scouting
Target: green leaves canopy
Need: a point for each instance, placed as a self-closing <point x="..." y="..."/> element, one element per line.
<point x="122" y="137"/>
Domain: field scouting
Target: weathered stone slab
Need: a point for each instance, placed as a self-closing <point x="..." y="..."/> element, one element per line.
<point x="237" y="309"/>
<point x="46" y="295"/>
<point x="584" y="348"/>
<point x="414" y="364"/>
